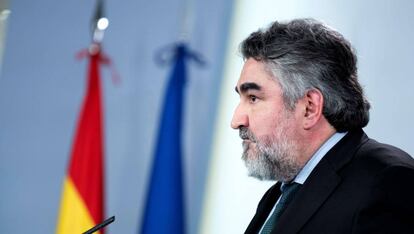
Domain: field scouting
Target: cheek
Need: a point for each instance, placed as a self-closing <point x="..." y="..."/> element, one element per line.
<point x="264" y="125"/>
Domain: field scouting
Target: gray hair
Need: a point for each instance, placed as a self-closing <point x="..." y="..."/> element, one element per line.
<point x="305" y="54"/>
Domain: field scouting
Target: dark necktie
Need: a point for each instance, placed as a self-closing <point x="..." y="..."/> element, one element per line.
<point x="288" y="193"/>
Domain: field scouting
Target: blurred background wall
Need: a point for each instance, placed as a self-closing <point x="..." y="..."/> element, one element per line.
<point x="42" y="87"/>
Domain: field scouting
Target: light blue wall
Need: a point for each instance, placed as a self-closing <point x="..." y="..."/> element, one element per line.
<point x="42" y="87"/>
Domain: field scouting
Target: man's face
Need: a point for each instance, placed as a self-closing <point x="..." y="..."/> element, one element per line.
<point x="269" y="130"/>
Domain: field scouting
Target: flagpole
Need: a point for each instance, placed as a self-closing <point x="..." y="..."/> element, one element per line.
<point x="99" y="24"/>
<point x="187" y="21"/>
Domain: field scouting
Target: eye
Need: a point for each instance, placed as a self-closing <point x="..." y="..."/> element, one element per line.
<point x="252" y="98"/>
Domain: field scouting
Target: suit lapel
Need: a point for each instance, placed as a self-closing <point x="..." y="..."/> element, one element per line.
<point x="320" y="184"/>
<point x="263" y="209"/>
<point x="309" y="198"/>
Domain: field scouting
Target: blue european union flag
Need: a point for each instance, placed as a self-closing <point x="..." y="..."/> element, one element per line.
<point x="165" y="211"/>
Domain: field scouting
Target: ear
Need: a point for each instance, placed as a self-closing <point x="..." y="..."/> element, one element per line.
<point x="313" y="103"/>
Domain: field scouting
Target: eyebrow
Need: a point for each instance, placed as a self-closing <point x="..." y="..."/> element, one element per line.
<point x="248" y="86"/>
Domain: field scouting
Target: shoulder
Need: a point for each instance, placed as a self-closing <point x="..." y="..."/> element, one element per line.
<point x="384" y="156"/>
<point x="393" y="172"/>
<point x="387" y="203"/>
<point x="369" y="162"/>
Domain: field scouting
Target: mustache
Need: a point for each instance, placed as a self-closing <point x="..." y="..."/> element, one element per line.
<point x="245" y="134"/>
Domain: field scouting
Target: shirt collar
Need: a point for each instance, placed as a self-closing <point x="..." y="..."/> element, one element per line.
<point x="317" y="157"/>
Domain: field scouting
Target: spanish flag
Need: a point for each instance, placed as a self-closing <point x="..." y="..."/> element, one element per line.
<point x="82" y="198"/>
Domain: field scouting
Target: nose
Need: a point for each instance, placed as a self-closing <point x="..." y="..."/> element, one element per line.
<point x="240" y="118"/>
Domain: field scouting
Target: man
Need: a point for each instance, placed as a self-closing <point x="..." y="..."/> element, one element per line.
<point x="300" y="116"/>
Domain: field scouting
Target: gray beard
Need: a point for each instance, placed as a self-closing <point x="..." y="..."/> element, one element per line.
<point x="272" y="160"/>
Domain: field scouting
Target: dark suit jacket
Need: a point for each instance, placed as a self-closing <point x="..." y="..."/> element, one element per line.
<point x="360" y="186"/>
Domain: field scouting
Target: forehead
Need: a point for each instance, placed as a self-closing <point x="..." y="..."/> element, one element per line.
<point x="254" y="72"/>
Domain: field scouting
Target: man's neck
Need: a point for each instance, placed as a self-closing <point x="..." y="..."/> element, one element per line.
<point x="314" y="139"/>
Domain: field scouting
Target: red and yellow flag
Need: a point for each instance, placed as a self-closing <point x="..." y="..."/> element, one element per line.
<point x="82" y="199"/>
